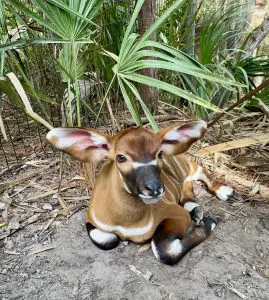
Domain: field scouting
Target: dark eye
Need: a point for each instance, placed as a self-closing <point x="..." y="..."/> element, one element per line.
<point x="160" y="155"/>
<point x="121" y="158"/>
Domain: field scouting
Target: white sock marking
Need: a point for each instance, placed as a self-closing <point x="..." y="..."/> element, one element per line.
<point x="223" y="192"/>
<point x="175" y="248"/>
<point x="102" y="237"/>
<point x="189" y="206"/>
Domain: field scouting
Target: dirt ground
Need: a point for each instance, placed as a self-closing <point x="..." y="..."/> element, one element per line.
<point x="232" y="264"/>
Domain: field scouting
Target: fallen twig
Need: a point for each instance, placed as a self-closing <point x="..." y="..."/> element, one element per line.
<point x="240" y="143"/>
<point x="51" y="192"/>
<point x="46" y="248"/>
<point x="242" y="296"/>
<point x="147" y="276"/>
<point x="25" y="177"/>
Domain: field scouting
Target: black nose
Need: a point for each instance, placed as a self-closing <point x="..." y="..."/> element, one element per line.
<point x="154" y="188"/>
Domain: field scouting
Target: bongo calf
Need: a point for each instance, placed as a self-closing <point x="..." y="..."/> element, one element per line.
<point x="145" y="190"/>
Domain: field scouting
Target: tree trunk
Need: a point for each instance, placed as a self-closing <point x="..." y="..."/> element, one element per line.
<point x="146" y="17"/>
<point x="258" y="35"/>
<point x="190" y="23"/>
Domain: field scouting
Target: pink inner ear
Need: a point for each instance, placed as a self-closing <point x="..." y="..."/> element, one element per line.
<point x="183" y="133"/>
<point x="81" y="138"/>
<point x="189" y="130"/>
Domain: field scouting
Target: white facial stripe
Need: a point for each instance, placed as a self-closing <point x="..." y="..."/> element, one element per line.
<point x="127" y="232"/>
<point x="139" y="164"/>
<point x="175" y="248"/>
<point x="189" y="206"/>
<point x="223" y="192"/>
<point x="102" y="237"/>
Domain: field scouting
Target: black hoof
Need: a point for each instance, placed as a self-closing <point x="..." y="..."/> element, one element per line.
<point x="197" y="214"/>
<point x="234" y="197"/>
<point x="210" y="223"/>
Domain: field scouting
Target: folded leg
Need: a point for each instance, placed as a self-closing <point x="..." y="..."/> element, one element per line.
<point x="189" y="203"/>
<point x="169" y="243"/>
<point x="101" y="239"/>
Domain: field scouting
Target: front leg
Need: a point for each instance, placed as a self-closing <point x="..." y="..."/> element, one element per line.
<point x="189" y="203"/>
<point x="101" y="239"/>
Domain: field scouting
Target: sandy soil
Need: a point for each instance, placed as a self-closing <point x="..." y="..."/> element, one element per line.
<point x="232" y="264"/>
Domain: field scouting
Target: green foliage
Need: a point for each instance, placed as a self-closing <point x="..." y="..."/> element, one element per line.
<point x="99" y="38"/>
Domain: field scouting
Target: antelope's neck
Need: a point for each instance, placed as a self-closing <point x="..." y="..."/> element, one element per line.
<point x="174" y="173"/>
<point x="113" y="205"/>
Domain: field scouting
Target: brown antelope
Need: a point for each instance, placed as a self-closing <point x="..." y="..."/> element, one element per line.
<point x="145" y="189"/>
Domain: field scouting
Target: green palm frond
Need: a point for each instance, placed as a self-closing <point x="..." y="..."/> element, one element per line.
<point x="134" y="55"/>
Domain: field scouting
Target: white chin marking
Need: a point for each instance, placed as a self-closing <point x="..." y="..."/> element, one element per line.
<point x="152" y="201"/>
<point x="189" y="206"/>
<point x="154" y="250"/>
<point x="102" y="237"/>
<point x="224" y="192"/>
<point x="175" y="248"/>
<point x="149" y="199"/>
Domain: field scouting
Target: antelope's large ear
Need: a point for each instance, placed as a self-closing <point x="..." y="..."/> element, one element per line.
<point x="87" y="145"/>
<point x="178" y="139"/>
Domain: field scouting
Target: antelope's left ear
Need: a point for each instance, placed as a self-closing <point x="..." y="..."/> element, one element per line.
<point x="178" y="139"/>
<point x="86" y="145"/>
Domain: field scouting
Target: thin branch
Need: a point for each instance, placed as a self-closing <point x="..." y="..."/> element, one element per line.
<point x="240" y="101"/>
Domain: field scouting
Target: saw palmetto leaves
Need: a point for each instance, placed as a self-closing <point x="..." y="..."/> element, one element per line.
<point x="138" y="53"/>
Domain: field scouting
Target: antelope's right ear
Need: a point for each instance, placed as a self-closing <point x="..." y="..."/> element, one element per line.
<point x="86" y="145"/>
